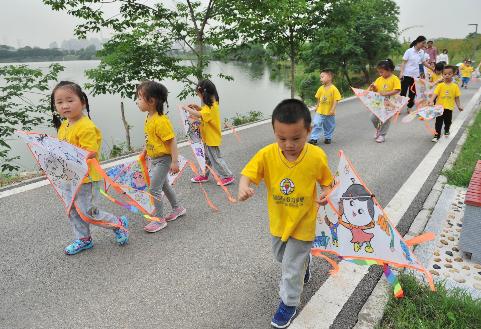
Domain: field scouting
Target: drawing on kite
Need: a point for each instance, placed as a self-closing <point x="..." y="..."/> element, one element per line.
<point x="193" y="131"/>
<point x="321" y="240"/>
<point x="383" y="107"/>
<point x="333" y="229"/>
<point x="356" y="209"/>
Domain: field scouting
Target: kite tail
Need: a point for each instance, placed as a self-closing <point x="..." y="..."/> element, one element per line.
<point x="145" y="171"/>
<point x="92" y="221"/>
<point x="209" y="202"/>
<point x="335" y="266"/>
<point x="234" y="132"/>
<point x="393" y="281"/>
<point x="428" y="128"/>
<point x="218" y="180"/>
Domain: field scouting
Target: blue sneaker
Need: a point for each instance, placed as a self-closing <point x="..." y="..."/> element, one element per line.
<point x="307" y="276"/>
<point x="78" y="245"/>
<point x="122" y="234"/>
<point x="283" y="316"/>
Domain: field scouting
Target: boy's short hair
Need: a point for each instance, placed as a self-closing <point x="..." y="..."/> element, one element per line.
<point x="328" y="71"/>
<point x="291" y="111"/>
<point x="452" y="68"/>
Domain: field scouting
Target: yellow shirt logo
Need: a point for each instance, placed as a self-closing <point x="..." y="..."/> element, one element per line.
<point x="287" y="186"/>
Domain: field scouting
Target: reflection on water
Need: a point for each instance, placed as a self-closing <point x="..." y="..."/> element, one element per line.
<point x="254" y="89"/>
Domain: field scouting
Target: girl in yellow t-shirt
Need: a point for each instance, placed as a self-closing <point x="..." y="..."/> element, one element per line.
<point x="386" y="85"/>
<point x="68" y="101"/>
<point x="210" y="132"/>
<point x="161" y="151"/>
<point x="466" y="72"/>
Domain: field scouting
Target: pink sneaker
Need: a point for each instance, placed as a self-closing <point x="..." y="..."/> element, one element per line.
<point x="176" y="213"/>
<point x="376" y="135"/>
<point x="199" y="179"/>
<point x="226" y="181"/>
<point x="380" y="139"/>
<point x="153" y="227"/>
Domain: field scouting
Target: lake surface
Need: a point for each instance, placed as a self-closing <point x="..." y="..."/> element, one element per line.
<point x="253" y="89"/>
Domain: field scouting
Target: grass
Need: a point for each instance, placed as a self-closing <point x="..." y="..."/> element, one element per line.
<point x="423" y="308"/>
<point x="8" y="179"/>
<point x="251" y="116"/>
<point x="462" y="170"/>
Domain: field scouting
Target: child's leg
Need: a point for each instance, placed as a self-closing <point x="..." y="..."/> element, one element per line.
<point x="447" y="119"/>
<point x="329" y="126"/>
<point x="316" y="127"/>
<point x="159" y="168"/>
<point x="376" y="122"/>
<point x="294" y="255"/>
<point x="85" y="200"/>
<point x="439" y="124"/>
<point x="217" y="162"/>
<point x="170" y="194"/>
<point x="384" y="127"/>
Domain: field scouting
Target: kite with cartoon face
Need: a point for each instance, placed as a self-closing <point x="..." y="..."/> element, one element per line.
<point x="356" y="209"/>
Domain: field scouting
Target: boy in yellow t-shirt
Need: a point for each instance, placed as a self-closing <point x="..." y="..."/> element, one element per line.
<point x="325" y="119"/>
<point x="447" y="94"/>
<point x="291" y="168"/>
<point x="466" y="72"/>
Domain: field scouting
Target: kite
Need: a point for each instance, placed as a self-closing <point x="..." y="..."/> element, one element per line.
<point x="66" y="166"/>
<point x="383" y="107"/>
<point x="424" y="91"/>
<point x="192" y="130"/>
<point x="354" y="227"/>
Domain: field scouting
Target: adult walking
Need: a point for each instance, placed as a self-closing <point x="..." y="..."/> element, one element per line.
<point x="413" y="59"/>
<point x="443" y="57"/>
<point x="432" y="52"/>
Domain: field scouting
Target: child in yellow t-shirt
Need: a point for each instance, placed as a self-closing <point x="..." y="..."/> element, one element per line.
<point x="437" y="76"/>
<point x="386" y="85"/>
<point x="447" y="94"/>
<point x="291" y="169"/>
<point x="69" y="102"/>
<point x="466" y="72"/>
<point x="325" y="119"/>
<point x="161" y="151"/>
<point x="210" y="132"/>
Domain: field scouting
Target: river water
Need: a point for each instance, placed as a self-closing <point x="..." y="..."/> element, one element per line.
<point x="253" y="89"/>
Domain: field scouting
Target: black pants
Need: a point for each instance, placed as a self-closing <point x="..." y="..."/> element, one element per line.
<point x="406" y="88"/>
<point x="446" y="118"/>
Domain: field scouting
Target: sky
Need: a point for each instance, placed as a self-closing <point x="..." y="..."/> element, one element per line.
<point x="30" y="22"/>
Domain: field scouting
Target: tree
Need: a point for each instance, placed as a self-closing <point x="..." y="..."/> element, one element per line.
<point x="17" y="109"/>
<point x="284" y="26"/>
<point x="146" y="39"/>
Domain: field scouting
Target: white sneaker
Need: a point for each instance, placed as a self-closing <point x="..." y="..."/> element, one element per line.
<point x="380" y="139"/>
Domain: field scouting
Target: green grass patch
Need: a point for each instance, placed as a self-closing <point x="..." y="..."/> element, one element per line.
<point x="462" y="170"/>
<point x="422" y="308"/>
<point x="251" y="116"/>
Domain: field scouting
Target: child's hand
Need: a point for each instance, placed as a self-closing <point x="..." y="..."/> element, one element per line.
<point x="245" y="192"/>
<point x="92" y="155"/>
<point x="372" y="87"/>
<point x="382" y="93"/>
<point x="194" y="107"/>
<point x="430" y="103"/>
<point x="460" y="109"/>
<point x="143" y="154"/>
<point x="323" y="197"/>
<point x="332" y="112"/>
<point x="174" y="167"/>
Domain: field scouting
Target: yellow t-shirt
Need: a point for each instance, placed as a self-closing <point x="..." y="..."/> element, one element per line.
<point x="84" y="134"/>
<point x="447" y="92"/>
<point x="392" y="83"/>
<point x="210" y="125"/>
<point x="158" y="130"/>
<point x="326" y="97"/>
<point x="435" y="77"/>
<point x="291" y="188"/>
<point x="466" y="71"/>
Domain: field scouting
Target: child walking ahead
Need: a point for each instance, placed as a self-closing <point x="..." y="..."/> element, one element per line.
<point x="447" y="94"/>
<point x="69" y="101"/>
<point x="386" y="85"/>
<point x="325" y="119"/>
<point x="291" y="169"/>
<point x="210" y="131"/>
<point x="161" y="151"/>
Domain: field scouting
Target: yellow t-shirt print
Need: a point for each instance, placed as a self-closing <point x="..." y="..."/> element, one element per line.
<point x="447" y="93"/>
<point x="291" y="188"/>
<point x="158" y="129"/>
<point x="326" y="97"/>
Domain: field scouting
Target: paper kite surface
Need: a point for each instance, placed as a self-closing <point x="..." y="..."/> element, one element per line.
<point x="384" y="107"/>
<point x="424" y="91"/>
<point x="354" y="226"/>
<point x="64" y="164"/>
<point x="192" y="130"/>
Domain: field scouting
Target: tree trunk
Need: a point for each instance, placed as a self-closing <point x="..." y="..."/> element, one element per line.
<point x="346" y="74"/>
<point x="367" y="78"/>
<point x="126" y="127"/>
<point x="292" y="57"/>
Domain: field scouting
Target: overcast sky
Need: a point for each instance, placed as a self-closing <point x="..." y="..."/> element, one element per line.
<point x="30" y="22"/>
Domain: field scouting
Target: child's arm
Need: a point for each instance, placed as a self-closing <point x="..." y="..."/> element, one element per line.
<point x="245" y="191"/>
<point x="192" y="110"/>
<point x="458" y="103"/>
<point x="93" y="155"/>
<point x="323" y="197"/>
<point x="401" y="69"/>
<point x="431" y="99"/>
<point x="389" y="93"/>
<point x="372" y="87"/>
<point x="333" y="108"/>
<point x="172" y="144"/>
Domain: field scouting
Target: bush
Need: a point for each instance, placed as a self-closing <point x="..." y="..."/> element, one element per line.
<point x="251" y="116"/>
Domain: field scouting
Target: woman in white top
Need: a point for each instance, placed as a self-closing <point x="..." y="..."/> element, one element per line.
<point x="413" y="60"/>
<point x="443" y="57"/>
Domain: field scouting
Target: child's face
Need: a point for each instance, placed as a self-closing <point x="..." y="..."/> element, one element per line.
<point x="143" y="104"/>
<point x="68" y="104"/>
<point x="291" y="137"/>
<point x="448" y="75"/>
<point x="356" y="212"/>
<point x="384" y="73"/>
<point x="326" y="78"/>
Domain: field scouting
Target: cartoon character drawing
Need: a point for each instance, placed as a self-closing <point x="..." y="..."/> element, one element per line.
<point x="138" y="181"/>
<point x="406" y="251"/>
<point x="321" y="240"/>
<point x="356" y="209"/>
<point x="333" y="228"/>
